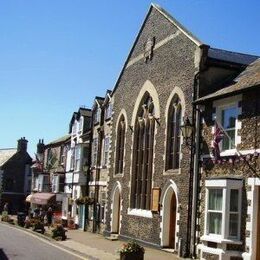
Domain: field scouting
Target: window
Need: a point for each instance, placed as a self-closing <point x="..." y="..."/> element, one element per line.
<point x="106" y="151"/>
<point x="173" y="135"/>
<point x="215" y="210"/>
<point x="77" y="157"/>
<point x="227" y="111"/>
<point x="55" y="183"/>
<point x="62" y="154"/>
<point x="223" y="212"/>
<point x="143" y="155"/>
<point x="97" y="115"/>
<point x="94" y="151"/>
<point x="108" y="111"/>
<point x="120" y="145"/>
<point x="72" y="158"/>
<point x="228" y="121"/>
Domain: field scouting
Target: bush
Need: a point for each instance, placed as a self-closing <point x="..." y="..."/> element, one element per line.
<point x="58" y="233"/>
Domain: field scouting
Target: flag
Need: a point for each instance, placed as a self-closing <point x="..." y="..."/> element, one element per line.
<point x="218" y="136"/>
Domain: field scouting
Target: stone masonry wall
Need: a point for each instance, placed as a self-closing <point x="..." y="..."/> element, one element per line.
<point x="172" y="66"/>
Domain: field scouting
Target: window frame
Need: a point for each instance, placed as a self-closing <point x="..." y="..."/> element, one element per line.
<point x="106" y="146"/>
<point x="120" y="145"/>
<point x="175" y="108"/>
<point x="220" y="106"/>
<point x="226" y="185"/>
<point x="142" y="154"/>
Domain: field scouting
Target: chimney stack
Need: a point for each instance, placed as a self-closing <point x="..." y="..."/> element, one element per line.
<point x="40" y="147"/>
<point x="22" y="145"/>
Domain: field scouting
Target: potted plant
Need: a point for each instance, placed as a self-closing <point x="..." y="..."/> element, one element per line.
<point x="58" y="233"/>
<point x="131" y="251"/>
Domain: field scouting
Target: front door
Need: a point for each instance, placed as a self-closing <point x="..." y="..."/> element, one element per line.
<point x="81" y="216"/>
<point x="172" y="222"/>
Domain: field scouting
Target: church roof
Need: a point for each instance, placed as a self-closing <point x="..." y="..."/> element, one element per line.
<point x="230" y="56"/>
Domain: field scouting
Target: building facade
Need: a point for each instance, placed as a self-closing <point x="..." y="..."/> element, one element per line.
<point x="149" y="177"/>
<point x="228" y="212"/>
<point x="77" y="167"/>
<point x="15" y="176"/>
<point x="100" y="161"/>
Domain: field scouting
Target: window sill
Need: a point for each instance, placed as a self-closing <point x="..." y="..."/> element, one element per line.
<point x="230" y="152"/>
<point x="172" y="172"/>
<point x="220" y="240"/>
<point x="140" y="213"/>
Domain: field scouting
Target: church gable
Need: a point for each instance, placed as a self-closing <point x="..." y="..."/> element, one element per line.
<point x="158" y="28"/>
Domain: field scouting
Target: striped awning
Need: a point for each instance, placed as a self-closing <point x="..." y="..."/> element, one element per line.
<point x="42" y="198"/>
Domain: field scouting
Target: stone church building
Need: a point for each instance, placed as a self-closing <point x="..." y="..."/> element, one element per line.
<point x="152" y="167"/>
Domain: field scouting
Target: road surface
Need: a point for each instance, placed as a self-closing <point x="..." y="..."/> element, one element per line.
<point x="20" y="245"/>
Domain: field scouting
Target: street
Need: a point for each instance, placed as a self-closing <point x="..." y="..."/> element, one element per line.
<point x="16" y="244"/>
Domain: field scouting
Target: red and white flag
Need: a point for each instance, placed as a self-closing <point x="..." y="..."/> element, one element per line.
<point x="218" y="136"/>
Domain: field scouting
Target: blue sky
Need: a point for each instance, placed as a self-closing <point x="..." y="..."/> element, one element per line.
<point x="58" y="55"/>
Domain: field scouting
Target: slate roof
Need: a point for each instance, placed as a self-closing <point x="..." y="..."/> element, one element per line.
<point x="85" y="111"/>
<point x="6" y="154"/>
<point x="229" y="56"/>
<point x="59" y="140"/>
<point x="249" y="78"/>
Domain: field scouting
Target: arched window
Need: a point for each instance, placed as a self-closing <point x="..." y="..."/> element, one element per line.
<point x="120" y="145"/>
<point x="173" y="134"/>
<point x="143" y="155"/>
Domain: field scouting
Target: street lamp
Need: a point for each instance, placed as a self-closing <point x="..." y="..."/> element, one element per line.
<point x="186" y="129"/>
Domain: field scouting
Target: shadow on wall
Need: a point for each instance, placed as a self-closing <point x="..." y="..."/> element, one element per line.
<point x="3" y="256"/>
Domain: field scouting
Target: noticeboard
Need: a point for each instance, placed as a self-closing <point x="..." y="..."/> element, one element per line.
<point x="155" y="198"/>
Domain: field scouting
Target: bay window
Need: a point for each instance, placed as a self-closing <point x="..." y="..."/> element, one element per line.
<point x="223" y="209"/>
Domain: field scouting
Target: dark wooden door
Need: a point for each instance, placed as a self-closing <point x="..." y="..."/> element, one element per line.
<point x="172" y="222"/>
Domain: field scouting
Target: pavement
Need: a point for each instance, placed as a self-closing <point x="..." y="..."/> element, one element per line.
<point x="94" y="246"/>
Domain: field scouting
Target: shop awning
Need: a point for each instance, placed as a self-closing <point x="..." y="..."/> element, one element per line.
<point x="28" y="198"/>
<point x="42" y="198"/>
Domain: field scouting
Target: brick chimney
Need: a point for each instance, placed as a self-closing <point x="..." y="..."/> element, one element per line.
<point x="22" y="145"/>
<point x="40" y="147"/>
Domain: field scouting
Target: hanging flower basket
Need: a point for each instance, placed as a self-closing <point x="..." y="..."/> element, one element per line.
<point x="131" y="251"/>
<point x="84" y="201"/>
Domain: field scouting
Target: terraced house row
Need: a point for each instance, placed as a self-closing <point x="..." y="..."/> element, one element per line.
<point x="169" y="156"/>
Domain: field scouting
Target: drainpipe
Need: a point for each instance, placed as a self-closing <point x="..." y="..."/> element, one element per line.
<point x="196" y="148"/>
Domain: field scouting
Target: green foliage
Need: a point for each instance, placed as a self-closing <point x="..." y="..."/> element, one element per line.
<point x="84" y="201"/>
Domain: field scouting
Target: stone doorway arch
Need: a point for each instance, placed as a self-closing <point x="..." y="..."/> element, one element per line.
<point x="116" y="209"/>
<point x="169" y="218"/>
